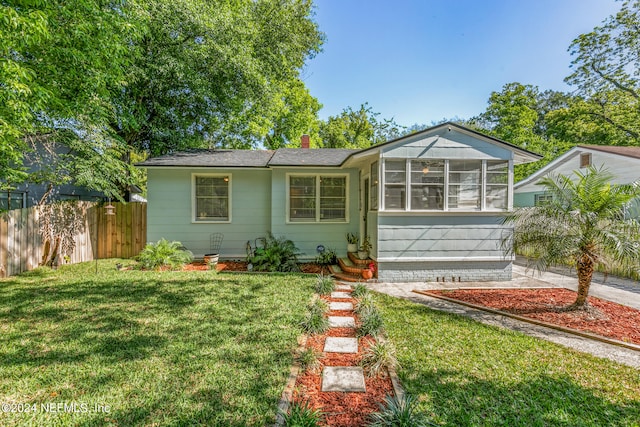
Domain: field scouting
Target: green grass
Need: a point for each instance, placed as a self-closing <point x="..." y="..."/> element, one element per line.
<point x="469" y="374"/>
<point x="160" y="348"/>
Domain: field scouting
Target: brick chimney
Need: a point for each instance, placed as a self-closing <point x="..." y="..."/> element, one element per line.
<point x="304" y="141"/>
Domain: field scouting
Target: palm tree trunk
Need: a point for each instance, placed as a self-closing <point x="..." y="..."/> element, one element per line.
<point x="585" y="267"/>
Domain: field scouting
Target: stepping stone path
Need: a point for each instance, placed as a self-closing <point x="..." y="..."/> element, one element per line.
<point x="342" y="378"/>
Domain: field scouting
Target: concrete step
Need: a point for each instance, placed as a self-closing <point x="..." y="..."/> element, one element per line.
<point x="343" y="378"/>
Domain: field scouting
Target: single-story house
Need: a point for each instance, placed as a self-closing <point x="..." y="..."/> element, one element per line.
<point x="622" y="162"/>
<point x="430" y="202"/>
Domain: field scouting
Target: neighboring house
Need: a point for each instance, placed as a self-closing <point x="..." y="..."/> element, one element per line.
<point x="42" y="160"/>
<point x="431" y="201"/>
<point x="622" y="162"/>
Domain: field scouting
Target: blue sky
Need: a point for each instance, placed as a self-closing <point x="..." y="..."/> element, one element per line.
<point x="419" y="61"/>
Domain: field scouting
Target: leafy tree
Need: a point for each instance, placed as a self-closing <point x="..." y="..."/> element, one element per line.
<point x="607" y="71"/>
<point x="358" y="129"/>
<point x="585" y="224"/>
<point x="517" y="115"/>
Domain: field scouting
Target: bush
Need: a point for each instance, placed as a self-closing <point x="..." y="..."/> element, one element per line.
<point x="164" y="254"/>
<point x="327" y="257"/>
<point x="371" y="322"/>
<point x="316" y="321"/>
<point x="359" y="291"/>
<point x="364" y="303"/>
<point x="302" y="415"/>
<point x="324" y="285"/>
<point x="378" y="356"/>
<point x="308" y="359"/>
<point x="277" y="254"/>
<point x="399" y="413"/>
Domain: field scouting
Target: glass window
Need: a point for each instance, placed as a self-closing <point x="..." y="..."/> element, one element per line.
<point x="333" y="198"/>
<point x="395" y="176"/>
<point x="427" y="184"/>
<point x="16" y="198"/>
<point x="374" y="186"/>
<point x="542" y="199"/>
<point x="317" y="198"/>
<point x="497" y="184"/>
<point x="465" y="184"/>
<point x="212" y="198"/>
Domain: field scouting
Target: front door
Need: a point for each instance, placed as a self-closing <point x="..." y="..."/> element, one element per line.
<point x="365" y="209"/>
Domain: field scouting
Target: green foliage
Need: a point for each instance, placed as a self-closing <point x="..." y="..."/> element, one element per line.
<point x="308" y="359"/>
<point x="164" y="254"/>
<point x="327" y="257"/>
<point x="364" y="303"/>
<point x="585" y="223"/>
<point x="324" y="284"/>
<point x="359" y="291"/>
<point x="378" y="356"/>
<point x="352" y="238"/>
<point x="371" y="322"/>
<point x="302" y="415"/>
<point x="316" y="322"/>
<point x="396" y="412"/>
<point x="357" y="129"/>
<point x="277" y="254"/>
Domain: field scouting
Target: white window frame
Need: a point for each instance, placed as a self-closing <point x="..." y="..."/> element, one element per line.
<point x="317" y="219"/>
<point x="483" y="188"/>
<point x="194" y="213"/>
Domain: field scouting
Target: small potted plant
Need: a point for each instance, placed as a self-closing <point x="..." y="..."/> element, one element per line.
<point x="363" y="252"/>
<point x="352" y="242"/>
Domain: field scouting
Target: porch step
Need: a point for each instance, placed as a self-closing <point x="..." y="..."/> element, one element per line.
<point x="348" y="266"/>
<point x="353" y="257"/>
<point x="337" y="273"/>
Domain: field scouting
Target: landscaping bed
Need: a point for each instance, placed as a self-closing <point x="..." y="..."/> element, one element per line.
<point x="605" y="318"/>
<point x="241" y="266"/>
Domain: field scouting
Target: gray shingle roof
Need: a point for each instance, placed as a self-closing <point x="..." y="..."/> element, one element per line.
<point x="213" y="158"/>
<point x="252" y="158"/>
<point x="310" y="157"/>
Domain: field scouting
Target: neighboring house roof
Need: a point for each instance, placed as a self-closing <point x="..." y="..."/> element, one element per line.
<point x="306" y="156"/>
<point x="631" y="152"/>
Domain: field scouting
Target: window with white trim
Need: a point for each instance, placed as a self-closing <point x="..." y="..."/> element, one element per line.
<point x="211" y="198"/>
<point x="542" y="199"/>
<point x="435" y="184"/>
<point x="317" y="198"/>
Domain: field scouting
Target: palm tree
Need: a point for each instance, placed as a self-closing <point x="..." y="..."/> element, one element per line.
<point x="585" y="224"/>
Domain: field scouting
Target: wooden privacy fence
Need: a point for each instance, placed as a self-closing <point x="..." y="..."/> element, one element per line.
<point x="122" y="235"/>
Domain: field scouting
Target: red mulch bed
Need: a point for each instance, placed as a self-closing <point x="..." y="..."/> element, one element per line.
<point x="341" y="409"/>
<point x="609" y="319"/>
<point x="310" y="268"/>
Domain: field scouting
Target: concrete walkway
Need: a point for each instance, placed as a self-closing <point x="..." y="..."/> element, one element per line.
<point x="624" y="293"/>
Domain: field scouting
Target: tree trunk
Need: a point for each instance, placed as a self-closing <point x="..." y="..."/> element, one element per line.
<point x="585" y="267"/>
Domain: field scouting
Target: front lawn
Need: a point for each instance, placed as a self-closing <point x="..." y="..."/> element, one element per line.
<point x="469" y="374"/>
<point x="156" y="348"/>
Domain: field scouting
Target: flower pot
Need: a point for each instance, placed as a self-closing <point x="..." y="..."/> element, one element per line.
<point x="367" y="274"/>
<point x="211" y="260"/>
<point x="363" y="254"/>
<point x="352" y="247"/>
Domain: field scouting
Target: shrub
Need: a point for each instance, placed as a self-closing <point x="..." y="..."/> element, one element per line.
<point x="164" y="253"/>
<point x="370" y="322"/>
<point x="277" y="254"/>
<point x="378" y="356"/>
<point x="359" y="291"/>
<point x="316" y="321"/>
<point x="308" y="359"/>
<point x="399" y="413"/>
<point x="302" y="415"/>
<point x="327" y="257"/>
<point x="364" y="303"/>
<point x="324" y="284"/>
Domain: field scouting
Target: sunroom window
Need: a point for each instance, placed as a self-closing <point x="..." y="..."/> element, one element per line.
<point x="454" y="185"/>
<point x="317" y="198"/>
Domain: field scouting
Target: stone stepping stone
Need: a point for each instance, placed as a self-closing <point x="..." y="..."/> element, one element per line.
<point x="343" y="287"/>
<point x="342" y="322"/>
<point x="343" y="378"/>
<point x="340" y="345"/>
<point x="341" y="295"/>
<point x="340" y="306"/>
